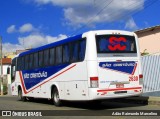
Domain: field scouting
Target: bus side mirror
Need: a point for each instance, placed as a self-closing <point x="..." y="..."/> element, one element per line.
<point x="8" y="70"/>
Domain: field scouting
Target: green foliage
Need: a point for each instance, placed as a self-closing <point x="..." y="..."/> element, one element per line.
<point x="5" y="89"/>
<point x="144" y="53"/>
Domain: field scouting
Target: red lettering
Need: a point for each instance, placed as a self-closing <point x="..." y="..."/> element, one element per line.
<point x="133" y="78"/>
<point x="115" y="43"/>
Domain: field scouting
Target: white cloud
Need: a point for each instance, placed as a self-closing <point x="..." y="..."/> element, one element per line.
<point x="11" y="29"/>
<point x="26" y="28"/>
<point x="31" y="41"/>
<point x="77" y="12"/>
<point x="130" y="24"/>
<point x="64" y="2"/>
<point x="51" y="39"/>
<point x="8" y="47"/>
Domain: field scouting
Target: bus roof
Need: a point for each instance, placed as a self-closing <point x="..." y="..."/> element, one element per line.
<point x="74" y="38"/>
<point x="70" y="39"/>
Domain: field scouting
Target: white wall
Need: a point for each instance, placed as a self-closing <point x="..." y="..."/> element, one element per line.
<point x="149" y="40"/>
<point x="5" y="69"/>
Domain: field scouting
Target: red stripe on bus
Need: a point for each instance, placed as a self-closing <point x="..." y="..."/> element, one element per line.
<point x="134" y="69"/>
<point x="118" y="89"/>
<point x="24" y="89"/>
<point x="21" y="78"/>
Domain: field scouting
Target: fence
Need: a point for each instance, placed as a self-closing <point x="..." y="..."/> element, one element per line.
<point x="151" y="73"/>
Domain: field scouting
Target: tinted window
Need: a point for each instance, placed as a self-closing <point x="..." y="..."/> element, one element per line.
<point x="66" y="53"/>
<point x="58" y="54"/>
<point x="19" y="64"/>
<point x="116" y="44"/>
<point x="46" y="57"/>
<point x="31" y="61"/>
<point x="22" y="60"/>
<point x="52" y="56"/>
<point x="74" y="51"/>
<point x="26" y="61"/>
<point x="82" y="49"/>
<point x="40" y="56"/>
<point x="35" y="60"/>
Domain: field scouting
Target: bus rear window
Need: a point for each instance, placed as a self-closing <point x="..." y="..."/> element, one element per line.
<point x="116" y="44"/>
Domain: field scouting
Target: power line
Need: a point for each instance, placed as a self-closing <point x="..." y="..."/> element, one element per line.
<point x="148" y="4"/>
<point x="92" y="18"/>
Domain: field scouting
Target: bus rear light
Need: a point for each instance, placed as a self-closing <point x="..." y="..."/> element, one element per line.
<point x="141" y="79"/>
<point x="94" y="82"/>
<point x="136" y="91"/>
<point x="94" y="78"/>
<point x="140" y="76"/>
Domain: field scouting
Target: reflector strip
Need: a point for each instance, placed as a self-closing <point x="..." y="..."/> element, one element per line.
<point x="119" y="89"/>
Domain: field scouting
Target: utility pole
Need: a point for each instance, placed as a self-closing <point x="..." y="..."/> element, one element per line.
<point x="1" y="66"/>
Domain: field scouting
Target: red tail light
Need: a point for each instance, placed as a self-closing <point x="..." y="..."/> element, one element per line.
<point x="141" y="79"/>
<point x="94" y="78"/>
<point x="94" y="82"/>
<point x="140" y="76"/>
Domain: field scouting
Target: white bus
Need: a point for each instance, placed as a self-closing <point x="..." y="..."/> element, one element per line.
<point x="95" y="65"/>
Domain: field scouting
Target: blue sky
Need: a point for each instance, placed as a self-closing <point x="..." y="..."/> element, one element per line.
<point x="32" y="23"/>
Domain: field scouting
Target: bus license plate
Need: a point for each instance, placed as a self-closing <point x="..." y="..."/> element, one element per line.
<point x="119" y="85"/>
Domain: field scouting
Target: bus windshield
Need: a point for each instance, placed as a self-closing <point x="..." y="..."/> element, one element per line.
<point x="116" y="44"/>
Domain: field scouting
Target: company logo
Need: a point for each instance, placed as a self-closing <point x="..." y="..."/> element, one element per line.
<point x="125" y="67"/>
<point x="117" y="44"/>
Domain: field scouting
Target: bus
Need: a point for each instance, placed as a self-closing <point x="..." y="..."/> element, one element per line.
<point x="95" y="65"/>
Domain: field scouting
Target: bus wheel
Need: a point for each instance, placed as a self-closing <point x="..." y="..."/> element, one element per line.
<point x="20" y="95"/>
<point x="55" y="98"/>
<point x="30" y="98"/>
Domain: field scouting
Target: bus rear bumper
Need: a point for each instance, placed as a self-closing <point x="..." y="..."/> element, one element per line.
<point x="98" y="94"/>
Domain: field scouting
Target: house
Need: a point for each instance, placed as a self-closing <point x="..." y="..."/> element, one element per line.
<point x="6" y="64"/>
<point x="149" y="40"/>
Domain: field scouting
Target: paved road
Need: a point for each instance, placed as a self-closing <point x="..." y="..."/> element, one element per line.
<point x="12" y="103"/>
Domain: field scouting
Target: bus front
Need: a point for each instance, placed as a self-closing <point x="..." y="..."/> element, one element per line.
<point x="118" y="69"/>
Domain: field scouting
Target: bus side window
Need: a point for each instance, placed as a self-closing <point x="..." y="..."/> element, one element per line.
<point x="82" y="49"/>
<point x="66" y="53"/>
<point x="19" y="64"/>
<point x="30" y="61"/>
<point x="35" y="60"/>
<point x="52" y="56"/>
<point x="40" y="56"/>
<point x="22" y="63"/>
<point x="26" y="62"/>
<point x="74" y="51"/>
<point x="46" y="57"/>
<point x="59" y="55"/>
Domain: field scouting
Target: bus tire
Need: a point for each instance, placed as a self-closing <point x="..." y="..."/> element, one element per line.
<point x="20" y="95"/>
<point x="55" y="98"/>
<point x="30" y="98"/>
<point x="94" y="102"/>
